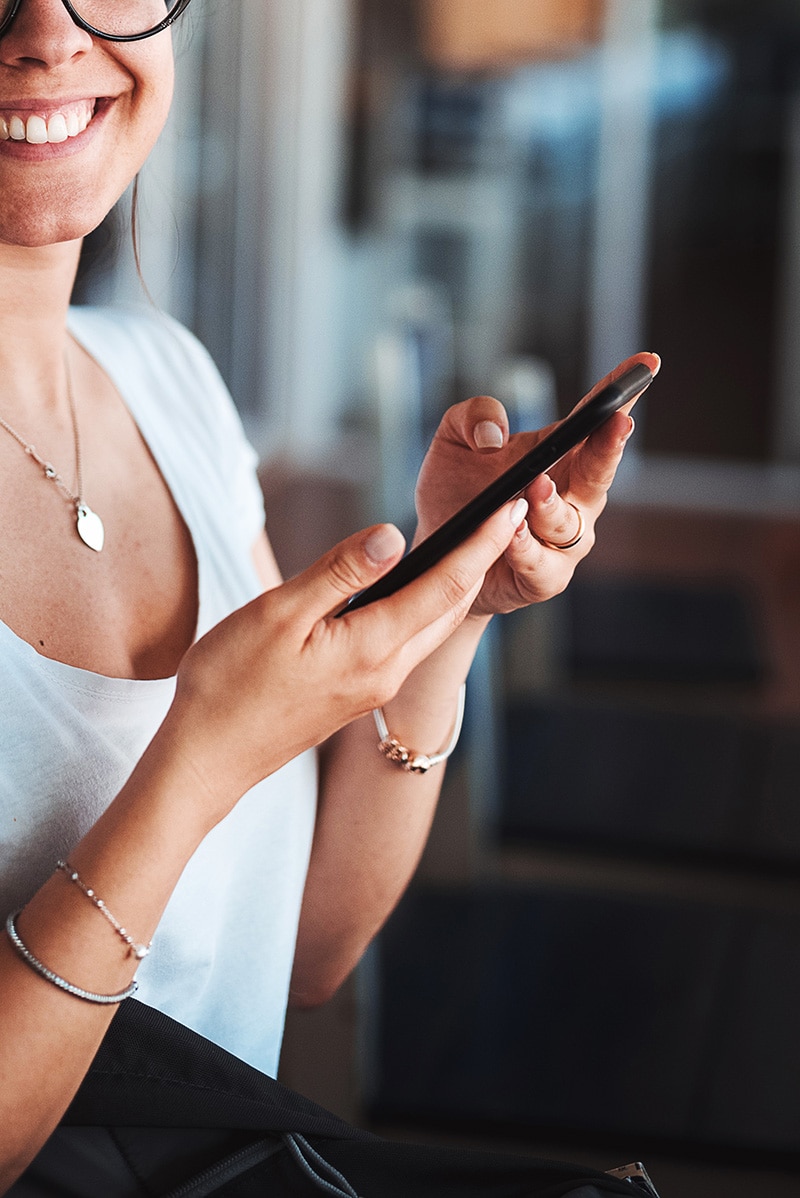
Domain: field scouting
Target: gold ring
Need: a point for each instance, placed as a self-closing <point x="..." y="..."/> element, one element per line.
<point x="568" y="544"/>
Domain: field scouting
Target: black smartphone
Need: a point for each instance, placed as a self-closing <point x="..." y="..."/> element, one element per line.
<point x="565" y="436"/>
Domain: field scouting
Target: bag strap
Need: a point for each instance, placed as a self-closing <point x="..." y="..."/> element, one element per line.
<point x="223" y="1172"/>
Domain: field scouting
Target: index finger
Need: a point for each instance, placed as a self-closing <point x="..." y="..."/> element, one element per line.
<point x="445" y="588"/>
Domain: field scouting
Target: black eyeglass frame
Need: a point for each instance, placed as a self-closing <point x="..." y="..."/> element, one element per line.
<point x="170" y="19"/>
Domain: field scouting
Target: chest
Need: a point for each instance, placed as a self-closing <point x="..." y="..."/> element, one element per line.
<point x="127" y="611"/>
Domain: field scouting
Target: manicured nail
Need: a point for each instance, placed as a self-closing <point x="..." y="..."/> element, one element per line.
<point x="488" y="435"/>
<point x="552" y="492"/>
<point x="383" y="543"/>
<point x="629" y="433"/>
<point x="519" y="511"/>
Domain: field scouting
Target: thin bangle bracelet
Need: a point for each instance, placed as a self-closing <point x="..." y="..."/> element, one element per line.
<point x="409" y="759"/>
<point x="37" y="966"/>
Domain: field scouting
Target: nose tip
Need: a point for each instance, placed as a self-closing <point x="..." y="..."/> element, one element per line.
<point x="42" y="32"/>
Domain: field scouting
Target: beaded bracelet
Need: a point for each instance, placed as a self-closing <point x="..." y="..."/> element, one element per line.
<point x="139" y="951"/>
<point x="409" y="759"/>
<point x="49" y="976"/>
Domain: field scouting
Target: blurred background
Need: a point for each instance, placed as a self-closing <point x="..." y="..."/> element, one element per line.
<point x="368" y="210"/>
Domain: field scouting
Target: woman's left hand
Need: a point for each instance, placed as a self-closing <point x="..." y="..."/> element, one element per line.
<point x="472" y="447"/>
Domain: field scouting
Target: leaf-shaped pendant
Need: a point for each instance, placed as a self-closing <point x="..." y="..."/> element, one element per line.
<point x="90" y="527"/>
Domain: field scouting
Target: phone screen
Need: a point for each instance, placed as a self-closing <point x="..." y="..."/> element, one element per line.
<point x="565" y="436"/>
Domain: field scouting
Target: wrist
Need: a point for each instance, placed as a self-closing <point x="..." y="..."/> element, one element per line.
<point x="186" y="768"/>
<point x="423" y="711"/>
<point x="412" y="760"/>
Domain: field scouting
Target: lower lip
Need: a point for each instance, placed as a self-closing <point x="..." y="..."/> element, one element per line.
<point x="25" y="151"/>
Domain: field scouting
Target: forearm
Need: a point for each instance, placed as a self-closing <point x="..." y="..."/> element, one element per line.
<point x="279" y="663"/>
<point x="133" y="858"/>
<point x="374" y="819"/>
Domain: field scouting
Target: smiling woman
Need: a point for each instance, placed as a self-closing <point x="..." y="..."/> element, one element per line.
<point x="111" y="97"/>
<point x="161" y="692"/>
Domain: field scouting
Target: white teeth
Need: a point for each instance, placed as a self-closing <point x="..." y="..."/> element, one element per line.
<point x="38" y="130"/>
<point x="56" y="128"/>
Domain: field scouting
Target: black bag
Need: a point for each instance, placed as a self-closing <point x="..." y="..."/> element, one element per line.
<point x="164" y="1113"/>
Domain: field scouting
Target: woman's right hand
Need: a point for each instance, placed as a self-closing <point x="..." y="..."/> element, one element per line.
<point x="281" y="674"/>
<point x="273" y="679"/>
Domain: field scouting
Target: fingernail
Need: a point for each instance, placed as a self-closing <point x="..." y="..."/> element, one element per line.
<point x="629" y="433"/>
<point x="383" y="543"/>
<point x="550" y="496"/>
<point x="488" y="435"/>
<point x="519" y="511"/>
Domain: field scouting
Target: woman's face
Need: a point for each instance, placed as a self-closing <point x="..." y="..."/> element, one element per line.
<point x="78" y="117"/>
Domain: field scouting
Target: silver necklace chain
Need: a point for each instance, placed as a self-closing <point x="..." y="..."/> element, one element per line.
<point x="89" y="525"/>
<point x="50" y="471"/>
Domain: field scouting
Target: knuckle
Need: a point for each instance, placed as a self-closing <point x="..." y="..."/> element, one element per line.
<point x="343" y="574"/>
<point x="456" y="583"/>
<point x="596" y="471"/>
<point x="599" y="480"/>
<point x="562" y="529"/>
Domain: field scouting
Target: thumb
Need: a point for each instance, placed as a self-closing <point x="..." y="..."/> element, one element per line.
<point x="350" y="566"/>
<point x="480" y="422"/>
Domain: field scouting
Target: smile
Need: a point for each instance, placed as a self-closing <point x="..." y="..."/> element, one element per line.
<point x="40" y="129"/>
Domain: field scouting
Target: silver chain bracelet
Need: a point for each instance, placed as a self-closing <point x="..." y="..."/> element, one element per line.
<point x="139" y="951"/>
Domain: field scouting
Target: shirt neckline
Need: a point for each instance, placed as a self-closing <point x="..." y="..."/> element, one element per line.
<point x="79" y="677"/>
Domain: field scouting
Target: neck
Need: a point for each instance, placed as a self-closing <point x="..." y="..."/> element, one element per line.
<point x="35" y="286"/>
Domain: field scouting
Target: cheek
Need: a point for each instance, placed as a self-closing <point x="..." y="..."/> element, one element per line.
<point x="152" y="96"/>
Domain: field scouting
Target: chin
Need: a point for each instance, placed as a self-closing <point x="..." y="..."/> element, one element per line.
<point x="39" y="227"/>
<point x="34" y="241"/>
